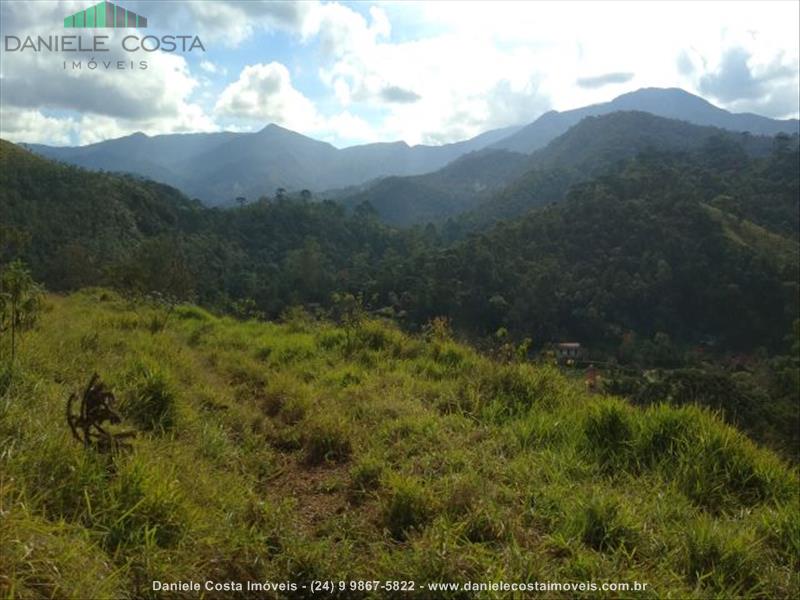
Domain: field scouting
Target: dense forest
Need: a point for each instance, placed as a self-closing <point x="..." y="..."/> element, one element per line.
<point x="698" y="245"/>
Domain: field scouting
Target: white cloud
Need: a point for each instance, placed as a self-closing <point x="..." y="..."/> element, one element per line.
<point x="230" y="23"/>
<point x="345" y="129"/>
<point x="212" y="68"/>
<point x="264" y="92"/>
<point x="20" y="125"/>
<point x="440" y="89"/>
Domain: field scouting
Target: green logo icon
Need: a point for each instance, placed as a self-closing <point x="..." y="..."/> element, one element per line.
<point x="105" y="14"/>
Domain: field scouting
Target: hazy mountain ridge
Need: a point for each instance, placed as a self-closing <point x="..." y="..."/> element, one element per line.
<point x="672" y="103"/>
<point x="218" y="167"/>
<point x="513" y="182"/>
<point x="458" y="187"/>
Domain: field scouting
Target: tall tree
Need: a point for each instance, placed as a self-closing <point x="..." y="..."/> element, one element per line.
<point x="21" y="300"/>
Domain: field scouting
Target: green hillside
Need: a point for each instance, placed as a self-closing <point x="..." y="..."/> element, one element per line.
<point x="484" y="187"/>
<point x="597" y="142"/>
<point x="645" y="248"/>
<point x="308" y="451"/>
<point x="76" y="228"/>
<point x="78" y="223"/>
<point x="637" y="249"/>
<point x="597" y="145"/>
<point x="450" y="191"/>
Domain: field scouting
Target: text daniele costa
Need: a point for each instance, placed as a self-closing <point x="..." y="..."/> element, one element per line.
<point x="99" y="44"/>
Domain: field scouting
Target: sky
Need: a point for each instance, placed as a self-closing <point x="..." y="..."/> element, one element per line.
<point x="359" y="72"/>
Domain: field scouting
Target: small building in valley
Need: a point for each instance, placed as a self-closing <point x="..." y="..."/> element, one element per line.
<point x="568" y="352"/>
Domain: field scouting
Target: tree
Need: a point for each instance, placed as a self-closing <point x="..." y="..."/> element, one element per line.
<point x="350" y="313"/>
<point x="21" y="300"/>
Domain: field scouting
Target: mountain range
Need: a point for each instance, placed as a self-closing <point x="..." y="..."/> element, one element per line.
<point x="672" y="103"/>
<point x="493" y="184"/>
<point x="218" y="167"/>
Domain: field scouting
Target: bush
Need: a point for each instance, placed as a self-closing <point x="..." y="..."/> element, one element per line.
<point x="722" y="469"/>
<point x="292" y="349"/>
<point x="297" y="319"/>
<point x="667" y="433"/>
<point x="366" y="475"/>
<point x="485" y="524"/>
<point x="284" y="397"/>
<point x="463" y="494"/>
<point x="781" y="530"/>
<point x="603" y="527"/>
<point x="408" y="507"/>
<point x="725" y="562"/>
<point x="516" y="388"/>
<point x="610" y="430"/>
<point x="373" y="336"/>
<point x="42" y="559"/>
<point x="151" y="404"/>
<point x="61" y="476"/>
<point x="327" y="440"/>
<point x="142" y="506"/>
<point x="449" y="355"/>
<point x="538" y="430"/>
<point x="193" y="313"/>
<point x="328" y="339"/>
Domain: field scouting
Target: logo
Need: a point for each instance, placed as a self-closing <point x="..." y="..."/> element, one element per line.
<point x="105" y="14"/>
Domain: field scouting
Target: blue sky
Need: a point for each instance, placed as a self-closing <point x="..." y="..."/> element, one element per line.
<point x="423" y="72"/>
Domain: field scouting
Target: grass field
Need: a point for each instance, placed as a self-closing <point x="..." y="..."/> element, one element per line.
<point x="303" y="451"/>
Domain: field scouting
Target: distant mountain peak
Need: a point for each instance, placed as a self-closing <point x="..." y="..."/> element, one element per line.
<point x="271" y="127"/>
<point x="661" y="91"/>
<point x="670" y="103"/>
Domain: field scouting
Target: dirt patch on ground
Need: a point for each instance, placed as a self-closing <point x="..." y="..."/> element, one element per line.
<point x="320" y="492"/>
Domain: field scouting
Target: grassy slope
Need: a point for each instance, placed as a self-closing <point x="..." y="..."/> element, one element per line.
<point x="285" y="451"/>
<point x="760" y="240"/>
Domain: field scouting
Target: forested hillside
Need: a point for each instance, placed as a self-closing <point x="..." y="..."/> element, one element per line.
<point x="516" y="183"/>
<point x="694" y="244"/>
<point x="638" y="249"/>
<point x="455" y="189"/>
<point x="75" y="224"/>
<point x="77" y="228"/>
